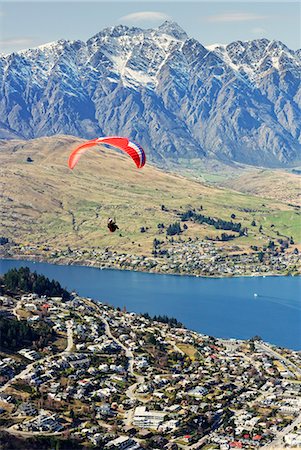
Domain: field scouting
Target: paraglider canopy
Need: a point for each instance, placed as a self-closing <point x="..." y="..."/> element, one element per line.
<point x="134" y="150"/>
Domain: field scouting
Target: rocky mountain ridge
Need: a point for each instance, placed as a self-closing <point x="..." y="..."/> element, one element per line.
<point x="179" y="99"/>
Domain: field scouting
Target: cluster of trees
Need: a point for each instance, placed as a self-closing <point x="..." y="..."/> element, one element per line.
<point x="223" y="237"/>
<point x="171" y="321"/>
<point x="24" y="280"/>
<point x="12" y="442"/>
<point x="173" y="229"/>
<point x="156" y="248"/>
<point x="18" y="334"/>
<point x="218" y="224"/>
<point x="157" y="243"/>
<point x="3" y="240"/>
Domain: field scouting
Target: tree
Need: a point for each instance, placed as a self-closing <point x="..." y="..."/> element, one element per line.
<point x="256" y="338"/>
<point x="260" y="256"/>
<point x="17" y="334"/>
<point x="151" y="339"/>
<point x="226" y="237"/>
<point x="156" y="243"/>
<point x="260" y="229"/>
<point x="233" y="216"/>
<point x="253" y="223"/>
<point x="24" y="280"/>
<point x="174" y="229"/>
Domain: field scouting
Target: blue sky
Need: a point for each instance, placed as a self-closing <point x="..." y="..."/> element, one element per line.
<point x="28" y="24"/>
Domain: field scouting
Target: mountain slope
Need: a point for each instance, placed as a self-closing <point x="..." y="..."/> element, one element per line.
<point x="179" y="99"/>
<point x="43" y="202"/>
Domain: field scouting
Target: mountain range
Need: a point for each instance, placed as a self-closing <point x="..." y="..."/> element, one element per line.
<point x="239" y="102"/>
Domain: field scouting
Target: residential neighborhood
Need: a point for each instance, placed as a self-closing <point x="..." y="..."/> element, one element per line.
<point x="119" y="380"/>
<point x="174" y="255"/>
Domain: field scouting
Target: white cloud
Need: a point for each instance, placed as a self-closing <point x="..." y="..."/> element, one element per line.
<point x="235" y="17"/>
<point x="144" y="16"/>
<point x="16" y="42"/>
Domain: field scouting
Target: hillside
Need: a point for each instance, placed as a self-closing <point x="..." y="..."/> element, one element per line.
<point x="277" y="184"/>
<point x="45" y="203"/>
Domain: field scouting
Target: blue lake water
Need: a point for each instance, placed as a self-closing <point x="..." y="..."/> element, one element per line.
<point x="221" y="307"/>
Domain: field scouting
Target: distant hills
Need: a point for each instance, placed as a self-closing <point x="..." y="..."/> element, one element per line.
<point x="179" y="99"/>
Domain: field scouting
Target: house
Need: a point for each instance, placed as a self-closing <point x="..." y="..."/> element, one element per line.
<point x="29" y="354"/>
<point x="169" y="425"/>
<point x="30" y="307"/>
<point x="293" y="439"/>
<point x="198" y="391"/>
<point x="148" y="419"/>
<point x="123" y="443"/>
<point x="104" y="410"/>
<point x="96" y="438"/>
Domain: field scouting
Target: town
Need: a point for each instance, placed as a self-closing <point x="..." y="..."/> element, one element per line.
<point x="101" y="377"/>
<point x="174" y="255"/>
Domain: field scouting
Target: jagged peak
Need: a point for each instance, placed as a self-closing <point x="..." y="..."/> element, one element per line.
<point x="116" y="31"/>
<point x="277" y="46"/>
<point x="173" y="29"/>
<point x="261" y="43"/>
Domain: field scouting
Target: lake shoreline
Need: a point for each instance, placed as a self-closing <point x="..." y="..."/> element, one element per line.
<point x="70" y="262"/>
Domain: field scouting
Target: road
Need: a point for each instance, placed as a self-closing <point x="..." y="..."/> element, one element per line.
<point x="128" y="353"/>
<point x="140" y="379"/>
<point x="278" y="441"/>
<point x="27" y="370"/>
<point x="176" y="348"/>
<point x="18" y="306"/>
<point x="30" y="366"/>
<point x="130" y="356"/>
<point x="281" y="358"/>
<point x="20" y="375"/>
<point x="13" y="430"/>
<point x="69" y="325"/>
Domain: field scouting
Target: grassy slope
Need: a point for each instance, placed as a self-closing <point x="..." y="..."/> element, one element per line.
<point x="278" y="184"/>
<point x="45" y="202"/>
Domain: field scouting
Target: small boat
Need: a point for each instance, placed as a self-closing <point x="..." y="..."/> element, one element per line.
<point x="255" y="295"/>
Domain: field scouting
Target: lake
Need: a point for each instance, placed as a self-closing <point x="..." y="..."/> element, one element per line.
<point x="221" y="307"/>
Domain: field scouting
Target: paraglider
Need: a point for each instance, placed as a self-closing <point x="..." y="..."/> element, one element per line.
<point x="112" y="225"/>
<point x="134" y="150"/>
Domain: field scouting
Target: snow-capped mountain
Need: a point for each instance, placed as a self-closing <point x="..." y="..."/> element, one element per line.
<point x="179" y="99"/>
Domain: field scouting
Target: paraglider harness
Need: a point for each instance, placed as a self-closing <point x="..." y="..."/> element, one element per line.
<point x="112" y="225"/>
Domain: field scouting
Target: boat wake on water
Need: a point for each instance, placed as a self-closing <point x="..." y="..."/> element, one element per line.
<point x="279" y="301"/>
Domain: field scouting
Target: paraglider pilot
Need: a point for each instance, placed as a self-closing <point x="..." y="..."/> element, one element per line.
<point x="112" y="225"/>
